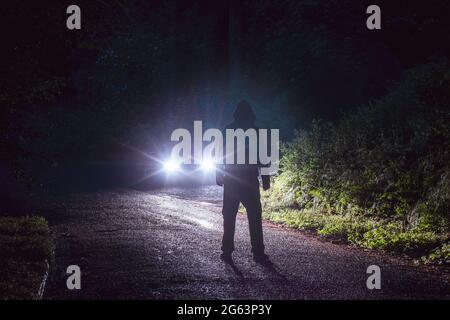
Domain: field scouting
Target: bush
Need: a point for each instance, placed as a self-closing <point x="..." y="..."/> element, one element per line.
<point x="388" y="161"/>
<point x="364" y="232"/>
<point x="25" y="245"/>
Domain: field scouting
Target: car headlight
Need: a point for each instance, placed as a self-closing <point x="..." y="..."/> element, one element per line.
<point x="207" y="165"/>
<point x="171" y="166"/>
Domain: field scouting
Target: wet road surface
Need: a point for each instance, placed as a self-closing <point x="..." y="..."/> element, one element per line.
<point x="166" y="244"/>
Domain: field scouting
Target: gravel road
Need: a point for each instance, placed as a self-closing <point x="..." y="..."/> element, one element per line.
<point x="165" y="244"/>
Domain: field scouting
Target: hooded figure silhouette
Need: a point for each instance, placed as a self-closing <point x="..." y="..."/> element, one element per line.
<point x="241" y="185"/>
<point x="243" y="114"/>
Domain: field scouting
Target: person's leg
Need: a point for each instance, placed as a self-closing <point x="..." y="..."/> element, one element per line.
<point x="229" y="212"/>
<point x="252" y="203"/>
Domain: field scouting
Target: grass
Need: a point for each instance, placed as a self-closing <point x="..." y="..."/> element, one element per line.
<point x="25" y="247"/>
<point x="369" y="233"/>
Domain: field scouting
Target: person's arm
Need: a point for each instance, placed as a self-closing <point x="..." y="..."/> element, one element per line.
<point x="219" y="175"/>
<point x="264" y="178"/>
<point x="265" y="182"/>
<point x="220" y="168"/>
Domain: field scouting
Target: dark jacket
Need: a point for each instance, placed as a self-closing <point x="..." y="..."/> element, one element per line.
<point x="243" y="172"/>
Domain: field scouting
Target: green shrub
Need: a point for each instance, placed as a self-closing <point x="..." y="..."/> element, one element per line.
<point x="362" y="231"/>
<point x="388" y="162"/>
<point x="390" y="159"/>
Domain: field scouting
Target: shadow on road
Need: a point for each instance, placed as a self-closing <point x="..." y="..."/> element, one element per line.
<point x="235" y="269"/>
<point x="267" y="265"/>
<point x="273" y="268"/>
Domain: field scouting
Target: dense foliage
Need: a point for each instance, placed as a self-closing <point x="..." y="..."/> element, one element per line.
<point x="387" y="161"/>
